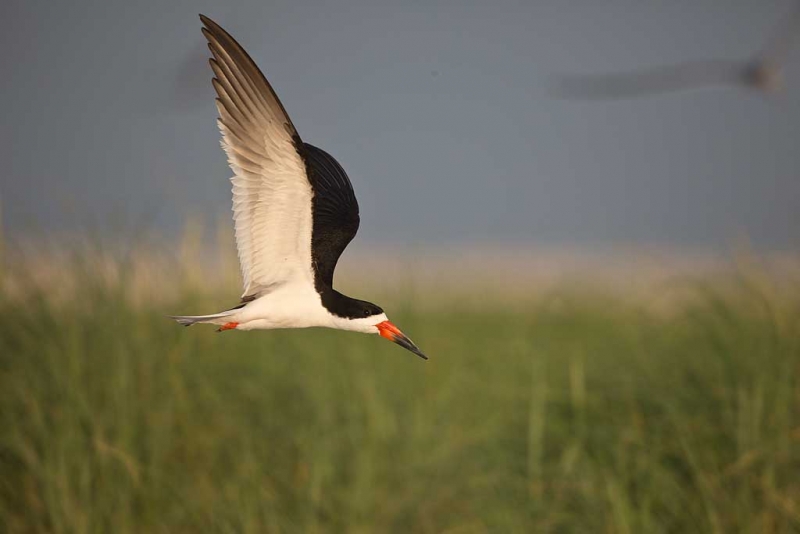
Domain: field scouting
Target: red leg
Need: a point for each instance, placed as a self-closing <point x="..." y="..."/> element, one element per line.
<point x="228" y="326"/>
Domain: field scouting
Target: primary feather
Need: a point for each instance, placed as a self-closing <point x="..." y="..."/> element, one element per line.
<point x="271" y="192"/>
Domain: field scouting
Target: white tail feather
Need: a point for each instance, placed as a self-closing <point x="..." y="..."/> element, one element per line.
<point x="216" y="318"/>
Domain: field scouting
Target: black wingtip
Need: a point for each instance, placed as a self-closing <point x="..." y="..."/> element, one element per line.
<point x="210" y="25"/>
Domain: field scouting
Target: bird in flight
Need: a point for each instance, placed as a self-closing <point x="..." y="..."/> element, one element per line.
<point x="294" y="211"/>
<point x="763" y="73"/>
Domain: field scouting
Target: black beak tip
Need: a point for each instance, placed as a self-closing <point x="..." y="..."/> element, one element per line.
<point x="410" y="346"/>
<point x="417" y="352"/>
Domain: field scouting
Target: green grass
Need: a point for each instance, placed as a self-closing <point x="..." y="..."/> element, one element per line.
<point x="577" y="413"/>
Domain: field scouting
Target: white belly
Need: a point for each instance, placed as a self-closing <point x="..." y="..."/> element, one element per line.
<point x="291" y="306"/>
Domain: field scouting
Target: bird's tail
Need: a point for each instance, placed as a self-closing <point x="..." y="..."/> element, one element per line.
<point x="216" y="318"/>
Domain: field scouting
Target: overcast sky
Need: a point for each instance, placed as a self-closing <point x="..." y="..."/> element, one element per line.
<point x="439" y="111"/>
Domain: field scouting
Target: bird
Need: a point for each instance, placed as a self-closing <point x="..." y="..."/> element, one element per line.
<point x="294" y="211"/>
<point x="764" y="73"/>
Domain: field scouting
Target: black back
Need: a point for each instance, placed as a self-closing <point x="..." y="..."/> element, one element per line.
<point x="334" y="210"/>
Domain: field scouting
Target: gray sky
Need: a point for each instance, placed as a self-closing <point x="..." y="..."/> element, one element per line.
<point x="439" y="112"/>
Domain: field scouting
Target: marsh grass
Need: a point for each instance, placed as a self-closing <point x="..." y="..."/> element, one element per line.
<point x="577" y="413"/>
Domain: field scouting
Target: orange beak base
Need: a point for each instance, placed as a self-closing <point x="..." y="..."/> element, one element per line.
<point x="393" y="334"/>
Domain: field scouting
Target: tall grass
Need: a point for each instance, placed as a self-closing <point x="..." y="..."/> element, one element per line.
<point x="578" y="413"/>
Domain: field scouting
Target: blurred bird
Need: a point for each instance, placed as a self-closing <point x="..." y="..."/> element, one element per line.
<point x="763" y="73"/>
<point x="294" y="210"/>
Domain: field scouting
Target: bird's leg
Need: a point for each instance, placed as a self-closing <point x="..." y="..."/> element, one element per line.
<point x="227" y="326"/>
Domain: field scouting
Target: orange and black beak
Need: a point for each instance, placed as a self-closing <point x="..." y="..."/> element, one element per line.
<point x="392" y="333"/>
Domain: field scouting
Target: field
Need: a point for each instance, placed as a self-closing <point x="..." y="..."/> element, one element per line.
<point x="574" y="410"/>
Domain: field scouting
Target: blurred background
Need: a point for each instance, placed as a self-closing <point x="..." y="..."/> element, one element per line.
<point x="607" y="287"/>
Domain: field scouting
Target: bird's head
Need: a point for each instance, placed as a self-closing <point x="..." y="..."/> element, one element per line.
<point x="366" y="317"/>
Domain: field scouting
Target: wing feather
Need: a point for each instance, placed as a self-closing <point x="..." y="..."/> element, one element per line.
<point x="336" y="217"/>
<point x="271" y="191"/>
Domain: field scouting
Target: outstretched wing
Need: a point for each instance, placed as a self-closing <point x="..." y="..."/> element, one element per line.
<point x="271" y="191"/>
<point x="335" y="211"/>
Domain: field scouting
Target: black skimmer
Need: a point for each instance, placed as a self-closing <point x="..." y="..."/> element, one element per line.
<point x="763" y="73"/>
<point x="294" y="211"/>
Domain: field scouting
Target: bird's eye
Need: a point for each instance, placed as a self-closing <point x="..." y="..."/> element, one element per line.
<point x="367" y="313"/>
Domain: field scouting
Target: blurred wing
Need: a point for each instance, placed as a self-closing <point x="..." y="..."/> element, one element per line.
<point x="653" y="81"/>
<point x="271" y="192"/>
<point x="335" y="211"/>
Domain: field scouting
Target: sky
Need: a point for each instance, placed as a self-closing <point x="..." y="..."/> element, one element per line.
<point x="441" y="112"/>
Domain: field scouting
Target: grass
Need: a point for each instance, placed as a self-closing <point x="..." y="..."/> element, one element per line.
<point x="573" y="413"/>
